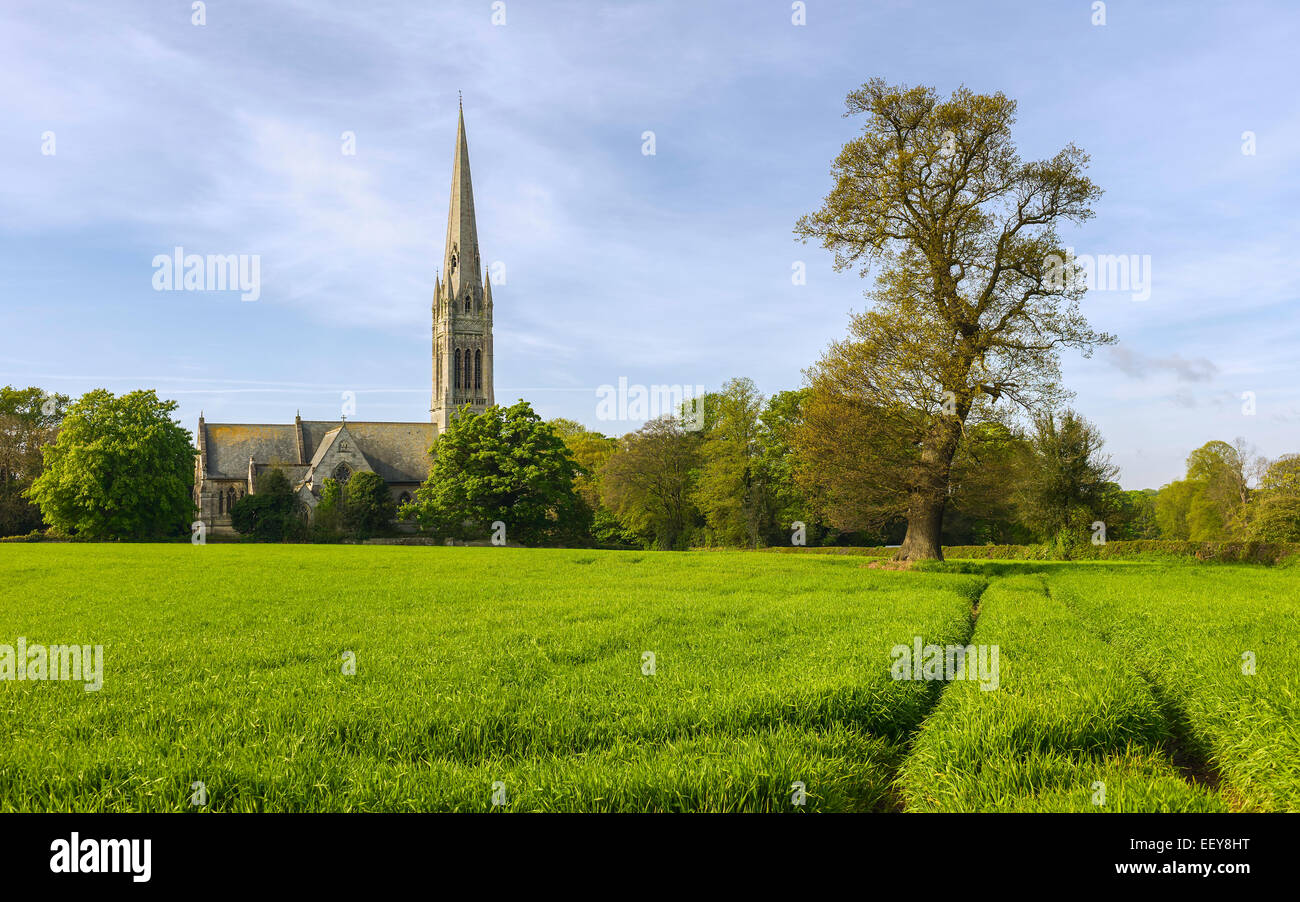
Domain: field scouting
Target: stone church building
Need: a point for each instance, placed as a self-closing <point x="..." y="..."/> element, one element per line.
<point x="231" y="456"/>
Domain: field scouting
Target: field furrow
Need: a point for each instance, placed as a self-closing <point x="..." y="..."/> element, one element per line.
<point x="1070" y="726"/>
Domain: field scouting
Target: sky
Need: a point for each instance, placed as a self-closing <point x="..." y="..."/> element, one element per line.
<point x="128" y="130"/>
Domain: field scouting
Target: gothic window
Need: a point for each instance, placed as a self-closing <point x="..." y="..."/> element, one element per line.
<point x="454" y="257"/>
<point x="342" y="473"/>
<point x="221" y="502"/>
<point x="230" y="499"/>
<point x="478" y="369"/>
<point x="467" y="303"/>
<point x="469" y="371"/>
<point x="456" y="383"/>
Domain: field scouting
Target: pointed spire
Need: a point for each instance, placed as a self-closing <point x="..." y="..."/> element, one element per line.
<point x="460" y="255"/>
<point x="487" y="288"/>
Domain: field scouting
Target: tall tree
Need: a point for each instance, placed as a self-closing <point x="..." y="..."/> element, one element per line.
<point x="1277" y="508"/>
<point x="504" y="465"/>
<point x="779" y="462"/>
<point x="732" y="491"/>
<point x="368" y="506"/>
<point x="29" y="421"/>
<point x="1067" y="481"/>
<point x="590" y="450"/>
<point x="1222" y="474"/>
<point x="1172" y="505"/>
<point x="648" y="483"/>
<point x="121" y="468"/>
<point x="973" y="299"/>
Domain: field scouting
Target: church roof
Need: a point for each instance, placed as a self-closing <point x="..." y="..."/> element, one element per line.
<point x="398" y="452"/>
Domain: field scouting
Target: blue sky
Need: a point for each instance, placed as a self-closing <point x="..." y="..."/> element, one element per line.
<point x="666" y="269"/>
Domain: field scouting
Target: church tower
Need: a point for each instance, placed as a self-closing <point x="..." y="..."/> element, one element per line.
<point x="462" y="306"/>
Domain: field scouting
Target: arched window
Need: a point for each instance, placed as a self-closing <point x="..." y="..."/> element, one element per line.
<point x="230" y="499"/>
<point x="478" y="369"/>
<point x="467" y="303"/>
<point x="342" y="473"/>
<point x="221" y="502"/>
<point x="456" y="383"/>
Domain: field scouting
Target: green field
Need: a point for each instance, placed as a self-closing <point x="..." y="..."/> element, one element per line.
<point x="522" y="674"/>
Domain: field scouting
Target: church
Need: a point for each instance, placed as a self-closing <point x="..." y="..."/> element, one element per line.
<point x="231" y="456"/>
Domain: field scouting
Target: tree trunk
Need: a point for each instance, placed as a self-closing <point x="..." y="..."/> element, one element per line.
<point x="929" y="495"/>
<point x="924" y="524"/>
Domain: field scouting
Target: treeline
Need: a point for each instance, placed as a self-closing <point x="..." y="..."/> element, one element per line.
<point x="786" y="469"/>
<point x="802" y="467"/>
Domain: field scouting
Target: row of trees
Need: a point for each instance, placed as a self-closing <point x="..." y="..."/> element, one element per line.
<point x="761" y="471"/>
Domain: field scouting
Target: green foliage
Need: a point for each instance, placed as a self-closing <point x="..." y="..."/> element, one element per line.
<point x="590" y="450"/>
<point x="506" y="465"/>
<point x="731" y="491"/>
<point x="121" y="468"/>
<point x="29" y="421"/>
<point x="368" y="506"/>
<point x="934" y="202"/>
<point x="1277" y="519"/>
<point x="648" y="483"/>
<point x="272" y="513"/>
<point x="1066" y="483"/>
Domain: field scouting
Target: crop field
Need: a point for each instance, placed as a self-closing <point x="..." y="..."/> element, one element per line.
<point x="378" y="678"/>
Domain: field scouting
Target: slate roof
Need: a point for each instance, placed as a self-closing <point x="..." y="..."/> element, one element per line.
<point x="398" y="452"/>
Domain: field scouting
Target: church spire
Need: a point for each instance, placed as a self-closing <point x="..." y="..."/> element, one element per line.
<point x="461" y="264"/>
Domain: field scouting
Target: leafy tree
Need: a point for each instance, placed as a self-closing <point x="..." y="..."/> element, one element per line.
<point x="648" y="483"/>
<point x="121" y="467"/>
<point x="732" y="491"/>
<point x="504" y="464"/>
<point x="1222" y="474"/>
<point x="778" y="462"/>
<point x="1276" y="517"/>
<point x="327" y="519"/>
<point x="1134" y="513"/>
<point x="590" y="451"/>
<point x="29" y="421"/>
<point x="1173" y="503"/>
<point x="1276" y="520"/>
<point x="972" y="303"/>
<point x="1067" y="482"/>
<point x="271" y="513"/>
<point x="368" y="506"/>
<point x="1282" y="476"/>
<point x="983" y="509"/>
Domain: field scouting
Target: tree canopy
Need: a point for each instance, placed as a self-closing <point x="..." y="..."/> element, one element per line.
<point x="969" y="308"/>
<point x="505" y="464"/>
<point x="121" y="468"/>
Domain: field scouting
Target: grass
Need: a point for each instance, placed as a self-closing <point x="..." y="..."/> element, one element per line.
<point x="1191" y="634"/>
<point x="523" y="669"/>
<point x="1071" y="727"/>
<point x="223" y="664"/>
